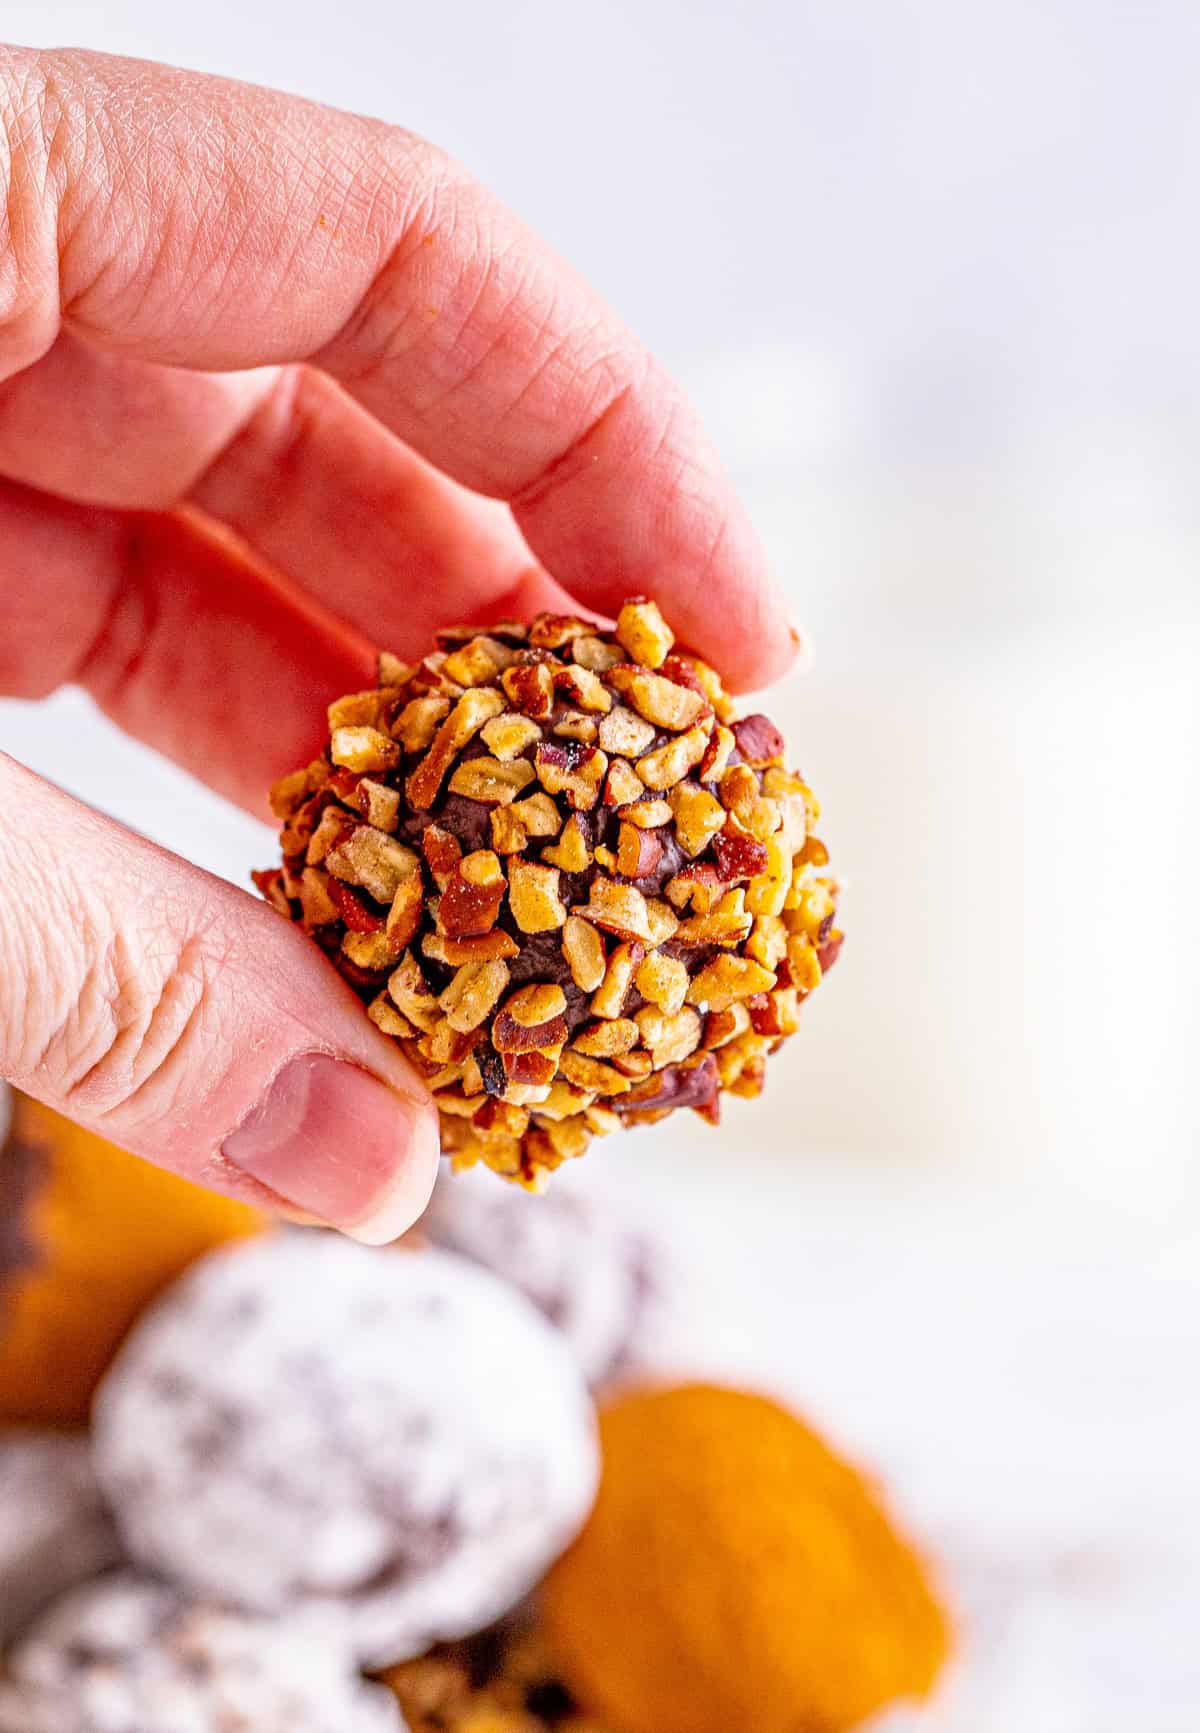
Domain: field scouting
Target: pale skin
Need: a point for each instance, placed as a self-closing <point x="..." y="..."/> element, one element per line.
<point x="227" y="310"/>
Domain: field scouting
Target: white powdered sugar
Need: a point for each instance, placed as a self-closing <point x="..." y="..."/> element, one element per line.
<point x="124" y="1655"/>
<point x="53" y="1531"/>
<point x="392" y="1435"/>
<point x="607" y="1280"/>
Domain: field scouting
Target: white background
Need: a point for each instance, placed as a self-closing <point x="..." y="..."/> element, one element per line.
<point x="931" y="270"/>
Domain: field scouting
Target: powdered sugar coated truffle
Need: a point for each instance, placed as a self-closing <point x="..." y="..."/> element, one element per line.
<point x="127" y="1656"/>
<point x="609" y="1281"/>
<point x="392" y="1435"/>
<point x="53" y="1531"/>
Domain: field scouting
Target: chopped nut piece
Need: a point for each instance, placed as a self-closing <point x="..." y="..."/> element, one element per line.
<point x="605" y="857"/>
<point x="637" y="1064"/>
<point x="474" y="708"/>
<point x="442" y="854"/>
<point x="490" y="781"/>
<point x="623" y="733"/>
<point x="670" y="1037"/>
<point x="572" y="769"/>
<point x="595" y="655"/>
<point x="509" y="835"/>
<point x="602" y="1040"/>
<point x="412" y="995"/>
<point x="469" y="907"/>
<point x="374" y="952"/>
<point x="391" y="671"/>
<point x="481" y="948"/>
<point x="726" y="923"/>
<point x="508" y="736"/>
<point x="355" y="710"/>
<point x="669" y="764"/>
<point x="574" y="725"/>
<point x="768" y="940"/>
<point x="551" y="1145"/>
<point x="803" y="962"/>
<point x="583" y="949"/>
<point x="657" y="699"/>
<point x="619" y="909"/>
<point x="698" y="886"/>
<point x="571" y="851"/>
<point x="418" y="722"/>
<point x="555" y="631"/>
<point x="716" y="753"/>
<point x="768" y="890"/>
<point x="385" y="1016"/>
<point x="663" y="981"/>
<point x="592" y="1074"/>
<point x="644" y="633"/>
<point x="446" y="1045"/>
<point x="363" y="748"/>
<point x="316" y="905"/>
<point x="698" y="816"/>
<point x="526" y="1094"/>
<point x="473" y="994"/>
<point x="537" y="1003"/>
<point x="377" y="862"/>
<point x="478" y="661"/>
<point x="379" y="804"/>
<point x="638" y="852"/>
<point x="292" y="790"/>
<point x="664" y="922"/>
<point x="580" y="686"/>
<point x="758" y="740"/>
<point x="609" y="999"/>
<point x="739" y="789"/>
<point x="646" y="814"/>
<point x="404" y="916"/>
<point x="539" y="815"/>
<point x="727" y="979"/>
<point x="723" y="1026"/>
<point x="622" y="785"/>
<point x="533" y="896"/>
<point x="510" y="1036"/>
<point x="482" y="867"/>
<point x="505" y="1116"/>
<point x="564" y="1100"/>
<point x="601" y="1122"/>
<point x="739" y="856"/>
<point x="529" y="687"/>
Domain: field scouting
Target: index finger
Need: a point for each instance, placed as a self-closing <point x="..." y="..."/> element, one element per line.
<point x="188" y="220"/>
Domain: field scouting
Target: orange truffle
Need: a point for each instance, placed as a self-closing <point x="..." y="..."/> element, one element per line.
<point x="737" y="1574"/>
<point x="90" y="1236"/>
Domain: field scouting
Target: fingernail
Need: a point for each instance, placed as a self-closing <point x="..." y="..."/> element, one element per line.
<point x="802" y="643"/>
<point x="333" y="1142"/>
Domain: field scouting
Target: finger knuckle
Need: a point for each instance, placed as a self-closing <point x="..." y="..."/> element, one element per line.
<point x="33" y="123"/>
<point x="125" y="1041"/>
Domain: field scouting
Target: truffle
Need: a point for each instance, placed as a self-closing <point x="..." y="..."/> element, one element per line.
<point x="608" y="1280"/>
<point x="392" y="1436"/>
<point x="128" y="1656"/>
<point x="501" y="1681"/>
<point x="575" y="887"/>
<point x="737" y="1573"/>
<point x="53" y="1530"/>
<point x="88" y="1236"/>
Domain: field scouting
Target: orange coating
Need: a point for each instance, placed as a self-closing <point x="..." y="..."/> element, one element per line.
<point x="108" y="1232"/>
<point x="736" y="1573"/>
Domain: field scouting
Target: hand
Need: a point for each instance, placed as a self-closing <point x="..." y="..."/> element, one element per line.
<point x="279" y="384"/>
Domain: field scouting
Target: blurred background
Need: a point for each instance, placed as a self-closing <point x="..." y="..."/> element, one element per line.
<point x="931" y="271"/>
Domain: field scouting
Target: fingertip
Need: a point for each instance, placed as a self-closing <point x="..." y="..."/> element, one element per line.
<point x="334" y="1142"/>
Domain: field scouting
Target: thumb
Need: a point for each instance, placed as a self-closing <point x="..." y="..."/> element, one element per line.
<point x="189" y="1023"/>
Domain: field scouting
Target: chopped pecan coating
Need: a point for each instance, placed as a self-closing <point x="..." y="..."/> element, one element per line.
<point x="562" y="873"/>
